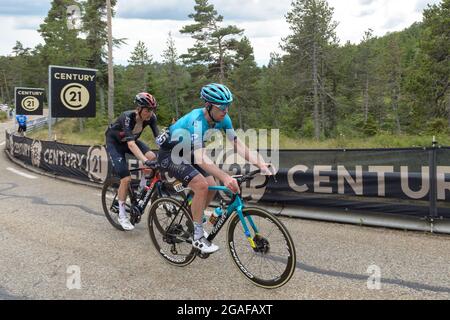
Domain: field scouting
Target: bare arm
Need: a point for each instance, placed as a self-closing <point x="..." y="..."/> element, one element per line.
<point x="251" y="156"/>
<point x="136" y="151"/>
<point x="208" y="165"/>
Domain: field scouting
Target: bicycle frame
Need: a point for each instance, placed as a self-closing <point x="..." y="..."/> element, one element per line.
<point x="156" y="181"/>
<point x="237" y="205"/>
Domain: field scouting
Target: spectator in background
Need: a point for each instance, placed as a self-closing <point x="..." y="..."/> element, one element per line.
<point x="22" y="121"/>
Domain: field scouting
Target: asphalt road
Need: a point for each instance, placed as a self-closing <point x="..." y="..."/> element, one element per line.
<point x="49" y="228"/>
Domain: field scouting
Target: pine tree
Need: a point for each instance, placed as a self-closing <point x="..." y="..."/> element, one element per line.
<point x="215" y="45"/>
<point x="62" y="46"/>
<point x="244" y="85"/>
<point x="140" y="62"/>
<point x="311" y="22"/>
<point x="435" y="46"/>
<point x="95" y="28"/>
<point x="170" y="58"/>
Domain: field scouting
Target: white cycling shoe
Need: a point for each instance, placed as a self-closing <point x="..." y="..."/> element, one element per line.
<point x="204" y="245"/>
<point x="126" y="224"/>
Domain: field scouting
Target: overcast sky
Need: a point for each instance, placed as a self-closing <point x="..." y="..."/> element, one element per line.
<point x="263" y="20"/>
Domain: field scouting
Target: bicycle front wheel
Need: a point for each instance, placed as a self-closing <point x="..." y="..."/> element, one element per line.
<point x="272" y="262"/>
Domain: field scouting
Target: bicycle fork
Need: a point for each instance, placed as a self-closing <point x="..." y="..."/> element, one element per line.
<point x="239" y="210"/>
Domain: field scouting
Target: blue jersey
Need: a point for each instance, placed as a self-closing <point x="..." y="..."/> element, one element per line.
<point x="21" y="120"/>
<point x="195" y="124"/>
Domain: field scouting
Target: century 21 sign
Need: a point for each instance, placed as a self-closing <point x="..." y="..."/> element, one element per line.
<point x="72" y="92"/>
<point x="29" y="101"/>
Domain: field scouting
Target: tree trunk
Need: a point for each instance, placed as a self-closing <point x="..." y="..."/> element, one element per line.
<point x="240" y="115"/>
<point x="221" y="64"/>
<point x="366" y="99"/>
<point x="81" y="120"/>
<point x="174" y="80"/>
<point x="110" y="65"/>
<point x="316" y="96"/>
<point x="1" y="90"/>
<point x="448" y="108"/>
<point x="102" y="100"/>
<point x="396" y="99"/>
<point x="177" y="111"/>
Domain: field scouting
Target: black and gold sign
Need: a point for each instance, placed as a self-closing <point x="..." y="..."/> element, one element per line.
<point x="72" y="92"/>
<point x="29" y="101"/>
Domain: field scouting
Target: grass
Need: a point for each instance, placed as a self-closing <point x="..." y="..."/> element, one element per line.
<point x="3" y="116"/>
<point x="67" y="131"/>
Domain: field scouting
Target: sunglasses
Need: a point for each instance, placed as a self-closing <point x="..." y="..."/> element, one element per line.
<point x="223" y="107"/>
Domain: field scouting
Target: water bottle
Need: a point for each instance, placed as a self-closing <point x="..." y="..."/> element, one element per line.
<point x="215" y="216"/>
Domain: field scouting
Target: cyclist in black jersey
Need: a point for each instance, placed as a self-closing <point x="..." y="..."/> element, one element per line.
<point x="122" y="138"/>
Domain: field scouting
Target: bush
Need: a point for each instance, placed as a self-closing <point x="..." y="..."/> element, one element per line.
<point x="437" y="126"/>
<point x="3" y="116"/>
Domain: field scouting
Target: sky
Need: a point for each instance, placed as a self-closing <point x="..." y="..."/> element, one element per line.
<point x="264" y="22"/>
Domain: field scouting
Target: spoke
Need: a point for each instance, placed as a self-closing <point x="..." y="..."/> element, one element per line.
<point x="271" y="263"/>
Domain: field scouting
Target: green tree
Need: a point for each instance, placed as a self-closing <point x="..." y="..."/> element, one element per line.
<point x="140" y="62"/>
<point x="173" y="75"/>
<point x="313" y="32"/>
<point x="215" y="45"/>
<point x="243" y="81"/>
<point x="95" y="29"/>
<point x="62" y="45"/>
<point x="435" y="47"/>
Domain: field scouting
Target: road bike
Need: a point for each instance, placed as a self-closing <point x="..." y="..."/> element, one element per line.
<point x="137" y="200"/>
<point x="258" y="242"/>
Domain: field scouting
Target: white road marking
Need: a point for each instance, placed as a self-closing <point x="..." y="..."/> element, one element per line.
<point x="2" y="143"/>
<point x="20" y="173"/>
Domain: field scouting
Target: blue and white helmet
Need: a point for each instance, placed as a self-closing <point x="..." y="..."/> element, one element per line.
<point x="216" y="93"/>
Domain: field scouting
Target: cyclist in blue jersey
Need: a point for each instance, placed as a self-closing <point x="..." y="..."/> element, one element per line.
<point x="22" y="121"/>
<point x="196" y="171"/>
<point x="122" y="138"/>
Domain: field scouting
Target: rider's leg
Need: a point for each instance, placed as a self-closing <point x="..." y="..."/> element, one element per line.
<point x="211" y="194"/>
<point x="199" y="185"/>
<point x="123" y="188"/>
<point x="117" y="156"/>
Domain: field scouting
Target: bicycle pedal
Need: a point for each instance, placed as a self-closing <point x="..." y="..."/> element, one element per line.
<point x="203" y="256"/>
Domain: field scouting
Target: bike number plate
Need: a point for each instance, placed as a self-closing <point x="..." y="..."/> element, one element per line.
<point x="179" y="187"/>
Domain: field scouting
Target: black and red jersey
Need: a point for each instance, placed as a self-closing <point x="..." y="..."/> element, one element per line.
<point x="127" y="128"/>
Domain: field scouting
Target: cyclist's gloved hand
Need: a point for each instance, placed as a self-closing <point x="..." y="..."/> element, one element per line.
<point x="232" y="184"/>
<point x="149" y="163"/>
<point x="267" y="169"/>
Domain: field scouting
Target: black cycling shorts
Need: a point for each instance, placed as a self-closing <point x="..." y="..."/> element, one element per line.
<point x="184" y="172"/>
<point x="117" y="152"/>
<point x="22" y="128"/>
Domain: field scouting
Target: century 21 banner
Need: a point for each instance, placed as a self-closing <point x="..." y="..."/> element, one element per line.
<point x="29" y="101"/>
<point x="72" y="92"/>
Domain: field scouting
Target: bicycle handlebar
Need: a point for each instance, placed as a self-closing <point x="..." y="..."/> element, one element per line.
<point x="153" y="165"/>
<point x="251" y="176"/>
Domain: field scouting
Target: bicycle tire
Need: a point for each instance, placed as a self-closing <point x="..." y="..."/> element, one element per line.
<point x="286" y="243"/>
<point x="174" y="240"/>
<point x="113" y="184"/>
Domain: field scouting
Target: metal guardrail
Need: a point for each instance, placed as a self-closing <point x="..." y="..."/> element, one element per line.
<point x="38" y="123"/>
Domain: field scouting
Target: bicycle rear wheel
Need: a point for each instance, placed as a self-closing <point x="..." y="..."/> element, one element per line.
<point x="171" y="229"/>
<point x="110" y="201"/>
<point x="272" y="263"/>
